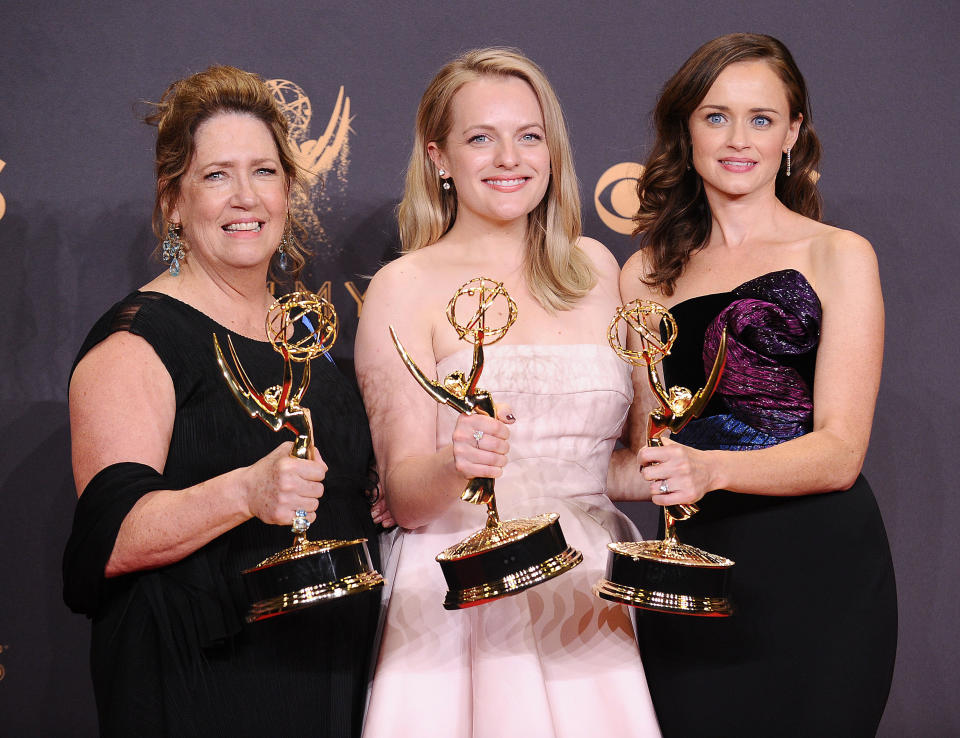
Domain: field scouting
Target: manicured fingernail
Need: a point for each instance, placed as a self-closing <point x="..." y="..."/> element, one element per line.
<point x="511" y="417"/>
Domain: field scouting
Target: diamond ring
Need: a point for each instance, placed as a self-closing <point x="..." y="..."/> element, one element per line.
<point x="300" y="522"/>
<point x="477" y="435"/>
<point x="664" y="487"/>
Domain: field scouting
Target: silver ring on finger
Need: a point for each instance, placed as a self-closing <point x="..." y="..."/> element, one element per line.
<point x="477" y="435"/>
<point x="300" y="522"/>
<point x="664" y="487"/>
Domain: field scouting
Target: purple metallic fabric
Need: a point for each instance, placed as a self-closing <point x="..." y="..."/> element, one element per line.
<point x="773" y="323"/>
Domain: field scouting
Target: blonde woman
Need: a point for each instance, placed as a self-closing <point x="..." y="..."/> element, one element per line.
<point x="491" y="192"/>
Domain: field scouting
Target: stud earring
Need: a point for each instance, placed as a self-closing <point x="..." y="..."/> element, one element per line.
<point x="788" y="163"/>
<point x="172" y="249"/>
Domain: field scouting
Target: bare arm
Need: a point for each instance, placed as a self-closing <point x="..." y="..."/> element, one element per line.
<point x="847" y="379"/>
<point x="624" y="478"/>
<point x="420" y="481"/>
<point x="122" y="409"/>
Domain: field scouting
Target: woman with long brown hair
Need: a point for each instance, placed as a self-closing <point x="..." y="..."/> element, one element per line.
<point x="731" y="239"/>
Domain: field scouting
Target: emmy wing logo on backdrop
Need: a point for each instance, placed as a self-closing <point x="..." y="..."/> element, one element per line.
<point x="615" y="196"/>
<point x="324" y="160"/>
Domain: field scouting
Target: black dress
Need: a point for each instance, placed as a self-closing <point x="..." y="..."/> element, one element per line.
<point x="170" y="653"/>
<point x="811" y="646"/>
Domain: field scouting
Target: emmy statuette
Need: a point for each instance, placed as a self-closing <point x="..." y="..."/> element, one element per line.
<point x="665" y="576"/>
<point x="300" y="326"/>
<point x="506" y="556"/>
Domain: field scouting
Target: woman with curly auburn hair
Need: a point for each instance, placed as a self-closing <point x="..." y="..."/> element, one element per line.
<point x="731" y="240"/>
<point x="180" y="490"/>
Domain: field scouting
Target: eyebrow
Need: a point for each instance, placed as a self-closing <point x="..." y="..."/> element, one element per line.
<point x="483" y="127"/>
<point x="230" y="163"/>
<point x="752" y="110"/>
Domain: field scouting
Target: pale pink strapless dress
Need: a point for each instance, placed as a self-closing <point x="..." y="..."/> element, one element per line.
<point x="555" y="660"/>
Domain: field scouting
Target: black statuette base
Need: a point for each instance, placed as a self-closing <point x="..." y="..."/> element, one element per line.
<point x="306" y="577"/>
<point x="478" y="577"/>
<point x="666" y="585"/>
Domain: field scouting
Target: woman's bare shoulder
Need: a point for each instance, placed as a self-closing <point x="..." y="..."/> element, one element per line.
<point x="604" y="263"/>
<point x="633" y="277"/>
<point x="403" y="278"/>
<point x="122" y="353"/>
<point x="833" y="249"/>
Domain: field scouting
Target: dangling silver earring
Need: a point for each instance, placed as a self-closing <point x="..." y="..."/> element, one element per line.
<point x="788" y="163"/>
<point x="446" y="182"/>
<point x="286" y="240"/>
<point x="172" y="249"/>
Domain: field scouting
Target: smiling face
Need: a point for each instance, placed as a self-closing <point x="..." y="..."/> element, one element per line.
<point x="496" y="151"/>
<point x="233" y="196"/>
<point x="741" y="129"/>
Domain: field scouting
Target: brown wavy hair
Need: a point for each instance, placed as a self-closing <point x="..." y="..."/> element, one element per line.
<point x="558" y="273"/>
<point x="674" y="219"/>
<point x="185" y="105"/>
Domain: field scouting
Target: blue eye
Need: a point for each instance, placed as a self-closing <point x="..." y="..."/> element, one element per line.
<point x="531" y="137"/>
<point x="266" y="170"/>
<point x="479" y="138"/>
<point x="762" y="121"/>
<point x="715" y="118"/>
<point x="215" y="175"/>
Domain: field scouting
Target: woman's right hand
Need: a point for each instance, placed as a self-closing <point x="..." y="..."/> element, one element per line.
<point x="480" y="443"/>
<point x="280" y="484"/>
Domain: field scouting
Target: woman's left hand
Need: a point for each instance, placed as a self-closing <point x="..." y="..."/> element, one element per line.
<point x="677" y="474"/>
<point x="381" y="513"/>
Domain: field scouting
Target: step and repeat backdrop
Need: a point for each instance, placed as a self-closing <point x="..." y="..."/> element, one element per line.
<point x="76" y="192"/>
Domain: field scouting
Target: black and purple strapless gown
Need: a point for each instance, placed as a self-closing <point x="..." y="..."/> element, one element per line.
<point x="811" y="646"/>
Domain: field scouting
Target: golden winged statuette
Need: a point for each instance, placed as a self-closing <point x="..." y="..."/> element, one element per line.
<point x="667" y="575"/>
<point x="300" y="327"/>
<point x="505" y="557"/>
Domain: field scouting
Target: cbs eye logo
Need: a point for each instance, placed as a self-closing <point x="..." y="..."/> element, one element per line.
<point x="615" y="196"/>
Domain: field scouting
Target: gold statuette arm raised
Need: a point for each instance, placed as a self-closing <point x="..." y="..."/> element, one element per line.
<point x="460" y="393"/>
<point x="436" y="390"/>
<point x="278" y="410"/>
<point x="677" y="405"/>
<point x="251" y="400"/>
<point x="702" y="397"/>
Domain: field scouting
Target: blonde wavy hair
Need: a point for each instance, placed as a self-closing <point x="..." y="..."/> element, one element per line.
<point x="558" y="273"/>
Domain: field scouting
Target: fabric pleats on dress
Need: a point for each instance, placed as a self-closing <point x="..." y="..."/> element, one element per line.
<point x="554" y="661"/>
